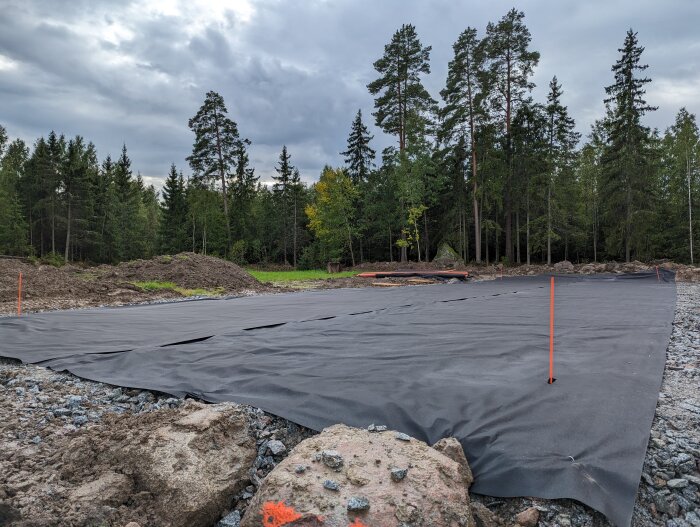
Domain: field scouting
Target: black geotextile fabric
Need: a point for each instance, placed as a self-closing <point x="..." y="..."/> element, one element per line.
<point x="464" y="360"/>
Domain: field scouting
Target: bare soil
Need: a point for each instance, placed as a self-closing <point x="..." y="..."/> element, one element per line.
<point x="46" y="287"/>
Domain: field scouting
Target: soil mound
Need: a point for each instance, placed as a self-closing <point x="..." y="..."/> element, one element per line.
<point x="183" y="275"/>
<point x="186" y="270"/>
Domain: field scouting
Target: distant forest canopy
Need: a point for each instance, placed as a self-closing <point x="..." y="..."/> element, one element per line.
<point x="497" y="175"/>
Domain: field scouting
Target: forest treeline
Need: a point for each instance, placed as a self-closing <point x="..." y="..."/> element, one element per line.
<point x="481" y="165"/>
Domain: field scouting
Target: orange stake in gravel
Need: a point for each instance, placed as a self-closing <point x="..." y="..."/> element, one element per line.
<point x="551" y="330"/>
<point x="19" y="296"/>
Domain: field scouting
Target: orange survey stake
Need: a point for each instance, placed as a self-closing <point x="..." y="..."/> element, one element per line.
<point x="19" y="296"/>
<point x="551" y="330"/>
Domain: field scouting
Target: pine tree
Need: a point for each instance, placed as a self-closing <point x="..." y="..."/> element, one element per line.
<point x="399" y="91"/>
<point x="217" y="146"/>
<point x="359" y="156"/>
<point x="510" y="65"/>
<point x="463" y="110"/>
<point x="627" y="158"/>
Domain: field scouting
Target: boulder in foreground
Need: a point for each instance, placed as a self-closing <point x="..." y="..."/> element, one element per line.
<point x="351" y="477"/>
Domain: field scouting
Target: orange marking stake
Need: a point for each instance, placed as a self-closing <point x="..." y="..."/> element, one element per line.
<point x="19" y="296"/>
<point x="551" y="330"/>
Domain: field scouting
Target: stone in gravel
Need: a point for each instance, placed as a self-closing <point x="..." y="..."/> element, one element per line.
<point x="132" y="524"/>
<point x="564" y="520"/>
<point x="300" y="469"/>
<point x="528" y="517"/>
<point x="230" y="520"/>
<point x="19" y="392"/>
<point x="79" y="420"/>
<point x="358" y="503"/>
<point x="276" y="447"/>
<point x="677" y="483"/>
<point x="36" y="440"/>
<point x="332" y="459"/>
<point x="402" y="437"/>
<point x="376" y="428"/>
<point x="331" y="485"/>
<point x="73" y="401"/>
<point x="397" y="474"/>
<point x="693" y="519"/>
<point x="61" y="412"/>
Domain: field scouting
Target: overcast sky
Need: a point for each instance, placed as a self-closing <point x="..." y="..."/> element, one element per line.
<point x="295" y="72"/>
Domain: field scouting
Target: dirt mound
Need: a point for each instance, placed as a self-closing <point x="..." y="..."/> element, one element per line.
<point x="49" y="287"/>
<point x="186" y="270"/>
<point x="183" y="275"/>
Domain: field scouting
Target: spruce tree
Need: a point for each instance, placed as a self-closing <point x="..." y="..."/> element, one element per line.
<point x="13" y="226"/>
<point x="173" y="225"/>
<point x="217" y="146"/>
<point x="561" y="142"/>
<point x="627" y="159"/>
<point x="243" y="189"/>
<point x="359" y="156"/>
<point x="282" y="190"/>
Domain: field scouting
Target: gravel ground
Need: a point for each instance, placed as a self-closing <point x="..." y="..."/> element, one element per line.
<point x="38" y="405"/>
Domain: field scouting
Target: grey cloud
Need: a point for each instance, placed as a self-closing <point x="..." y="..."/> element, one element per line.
<point x="296" y="72"/>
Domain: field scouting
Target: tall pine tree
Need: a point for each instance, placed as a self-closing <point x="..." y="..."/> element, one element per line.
<point x="217" y="146"/>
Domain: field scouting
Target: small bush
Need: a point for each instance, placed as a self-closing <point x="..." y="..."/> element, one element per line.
<point x="54" y="259"/>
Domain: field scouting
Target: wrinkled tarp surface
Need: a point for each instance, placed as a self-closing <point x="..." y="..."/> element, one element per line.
<point x="464" y="360"/>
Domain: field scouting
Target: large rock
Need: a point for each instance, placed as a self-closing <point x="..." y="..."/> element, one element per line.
<point x="565" y="266"/>
<point x="347" y="476"/>
<point x="446" y="255"/>
<point x="171" y="468"/>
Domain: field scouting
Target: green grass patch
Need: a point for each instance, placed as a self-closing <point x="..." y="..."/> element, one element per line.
<point x="153" y="285"/>
<point x="295" y="276"/>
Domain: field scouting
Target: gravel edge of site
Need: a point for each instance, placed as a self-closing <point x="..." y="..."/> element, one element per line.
<point x="668" y="494"/>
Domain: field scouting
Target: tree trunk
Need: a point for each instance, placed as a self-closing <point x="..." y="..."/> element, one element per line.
<point x="53" y="224"/>
<point x="68" y="222"/>
<point x="391" y="252"/>
<point x="517" y="235"/>
<point x="294" y="256"/>
<point x="222" y="175"/>
<point x="427" y="239"/>
<point x="527" y="232"/>
<point x="352" y="254"/>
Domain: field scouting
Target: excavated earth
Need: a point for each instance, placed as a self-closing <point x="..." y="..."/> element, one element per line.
<point x="47" y="287"/>
<point x="80" y="453"/>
